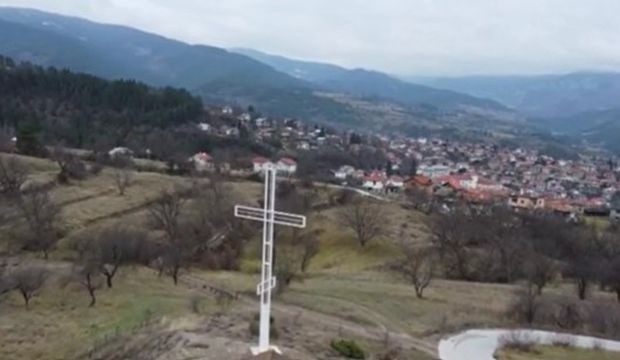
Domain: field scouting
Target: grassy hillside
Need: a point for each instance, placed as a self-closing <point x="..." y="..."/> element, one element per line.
<point x="347" y="291"/>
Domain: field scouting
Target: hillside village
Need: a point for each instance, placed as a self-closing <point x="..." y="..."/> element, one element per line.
<point x="482" y="172"/>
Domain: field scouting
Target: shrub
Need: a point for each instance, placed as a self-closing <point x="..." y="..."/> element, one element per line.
<point x="348" y="348"/>
<point x="518" y="341"/>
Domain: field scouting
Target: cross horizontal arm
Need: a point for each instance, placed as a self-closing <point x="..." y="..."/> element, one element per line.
<point x="269" y="284"/>
<point x="280" y="218"/>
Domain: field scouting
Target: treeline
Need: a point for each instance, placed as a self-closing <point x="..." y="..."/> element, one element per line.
<point x="84" y="111"/>
<point x="495" y="244"/>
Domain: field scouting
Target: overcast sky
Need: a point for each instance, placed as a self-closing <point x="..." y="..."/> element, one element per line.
<point x="407" y="37"/>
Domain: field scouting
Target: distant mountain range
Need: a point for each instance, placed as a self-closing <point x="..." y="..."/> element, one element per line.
<point x="541" y="96"/>
<point x="216" y="74"/>
<point x="574" y="104"/>
<point x="582" y="105"/>
<point x="369" y="83"/>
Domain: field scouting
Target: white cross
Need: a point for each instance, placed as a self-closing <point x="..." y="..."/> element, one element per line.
<point x="269" y="217"/>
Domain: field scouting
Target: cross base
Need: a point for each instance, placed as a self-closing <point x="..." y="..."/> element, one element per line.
<point x="265" y="354"/>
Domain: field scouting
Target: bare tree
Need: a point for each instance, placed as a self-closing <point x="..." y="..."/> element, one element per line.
<point x="309" y="244"/>
<point x="165" y="212"/>
<point x="86" y="273"/>
<point x="13" y="174"/>
<point x="71" y="167"/>
<point x="526" y="304"/>
<point x="499" y="230"/>
<point x="286" y="267"/>
<point x="612" y="276"/>
<point x="42" y="216"/>
<point x="122" y="178"/>
<point x="583" y="260"/>
<point x="213" y="205"/>
<point x="451" y="236"/>
<point x="113" y="248"/>
<point x="417" y="266"/>
<point x="421" y="200"/>
<point x="539" y="270"/>
<point x="28" y="280"/>
<point x="365" y="218"/>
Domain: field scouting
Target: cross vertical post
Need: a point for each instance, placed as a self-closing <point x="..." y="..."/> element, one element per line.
<point x="266" y="283"/>
<point x="269" y="217"/>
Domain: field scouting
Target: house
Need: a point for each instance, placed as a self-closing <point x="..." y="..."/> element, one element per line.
<point x="231" y="131"/>
<point x="395" y="183"/>
<point x="203" y="162"/>
<point x="434" y="171"/>
<point x="204" y="127"/>
<point x="526" y="202"/>
<point x="261" y="122"/>
<point x="303" y="145"/>
<point x="344" y="172"/>
<point x="118" y="152"/>
<point x="615" y="207"/>
<point x="260" y="164"/>
<point x="287" y="165"/>
<point x="375" y="181"/>
<point x="419" y="182"/>
<point x="227" y="110"/>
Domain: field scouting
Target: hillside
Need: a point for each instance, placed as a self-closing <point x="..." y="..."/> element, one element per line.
<point x="599" y="127"/>
<point x="85" y="111"/>
<point x="368" y="83"/>
<point x="541" y="96"/>
<point x="116" y="52"/>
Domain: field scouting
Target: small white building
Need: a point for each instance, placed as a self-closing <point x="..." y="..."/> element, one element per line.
<point x="344" y="172"/>
<point x="120" y="152"/>
<point x="375" y="181"/>
<point x="245" y="117"/>
<point x="260" y="164"/>
<point x="287" y="165"/>
<point x="303" y="145"/>
<point x="227" y="110"/>
<point x="203" y="162"/>
<point x="284" y="166"/>
<point x="395" y="183"/>
<point x="204" y="127"/>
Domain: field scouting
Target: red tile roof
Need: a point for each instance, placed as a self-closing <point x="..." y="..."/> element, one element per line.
<point x="288" y="161"/>
<point x="260" y="160"/>
<point x="203" y="156"/>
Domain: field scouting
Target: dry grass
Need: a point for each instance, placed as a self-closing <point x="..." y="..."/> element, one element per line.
<point x="447" y="305"/>
<point x="60" y="325"/>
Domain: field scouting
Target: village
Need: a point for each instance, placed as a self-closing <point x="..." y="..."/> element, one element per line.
<point x="477" y="173"/>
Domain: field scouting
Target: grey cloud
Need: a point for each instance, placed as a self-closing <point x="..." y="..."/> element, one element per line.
<point x="421" y="37"/>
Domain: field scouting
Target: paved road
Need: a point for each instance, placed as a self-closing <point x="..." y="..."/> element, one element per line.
<point x="482" y="344"/>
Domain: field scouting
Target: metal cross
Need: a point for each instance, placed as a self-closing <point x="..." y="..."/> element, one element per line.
<point x="269" y="217"/>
